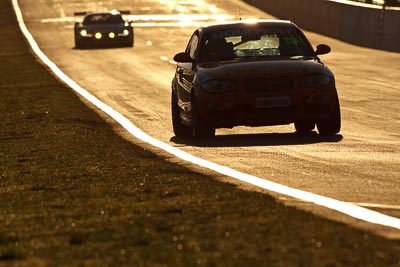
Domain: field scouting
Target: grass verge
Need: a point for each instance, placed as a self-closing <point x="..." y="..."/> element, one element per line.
<point x="74" y="193"/>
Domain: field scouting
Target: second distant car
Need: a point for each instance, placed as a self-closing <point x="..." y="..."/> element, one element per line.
<point x="103" y="29"/>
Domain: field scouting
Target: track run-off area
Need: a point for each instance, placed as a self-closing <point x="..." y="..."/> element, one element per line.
<point x="352" y="177"/>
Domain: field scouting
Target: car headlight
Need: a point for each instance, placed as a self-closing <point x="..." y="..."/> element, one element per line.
<point x="111" y="35"/>
<point x="98" y="35"/>
<point x="126" y="32"/>
<point x="316" y="81"/>
<point x="83" y="33"/>
<point x="218" y="86"/>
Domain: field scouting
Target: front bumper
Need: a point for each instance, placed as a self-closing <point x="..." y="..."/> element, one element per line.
<point x="108" y="38"/>
<point x="105" y="41"/>
<point x="243" y="109"/>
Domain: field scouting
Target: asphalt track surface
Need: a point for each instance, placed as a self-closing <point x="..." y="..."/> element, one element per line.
<point x="361" y="165"/>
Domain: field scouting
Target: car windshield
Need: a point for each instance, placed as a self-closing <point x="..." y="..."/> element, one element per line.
<point x="254" y="42"/>
<point x="103" y="19"/>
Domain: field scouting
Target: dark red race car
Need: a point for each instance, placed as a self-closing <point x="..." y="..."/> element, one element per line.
<point x="256" y="73"/>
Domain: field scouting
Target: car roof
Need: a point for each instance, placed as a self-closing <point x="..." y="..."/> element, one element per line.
<point x="247" y="23"/>
<point x="112" y="12"/>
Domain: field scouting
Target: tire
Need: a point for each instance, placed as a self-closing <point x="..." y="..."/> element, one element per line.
<point x="180" y="130"/>
<point x="304" y="126"/>
<point x="79" y="43"/>
<point x="200" y="129"/>
<point x="129" y="43"/>
<point x="332" y="125"/>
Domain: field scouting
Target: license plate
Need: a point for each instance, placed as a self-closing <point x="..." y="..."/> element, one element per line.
<point x="273" y="102"/>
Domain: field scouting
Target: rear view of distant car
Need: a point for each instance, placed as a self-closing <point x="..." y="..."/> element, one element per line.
<point x="103" y="29"/>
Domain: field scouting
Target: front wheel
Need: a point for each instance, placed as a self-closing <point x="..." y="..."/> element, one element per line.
<point x="180" y="130"/>
<point x="130" y="43"/>
<point x="331" y="125"/>
<point x="200" y="128"/>
<point x="79" y="43"/>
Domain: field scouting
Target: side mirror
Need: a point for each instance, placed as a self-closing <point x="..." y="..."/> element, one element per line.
<point x="183" y="58"/>
<point x="322" y="49"/>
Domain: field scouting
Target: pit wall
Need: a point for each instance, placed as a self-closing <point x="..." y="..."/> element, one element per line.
<point x="356" y="23"/>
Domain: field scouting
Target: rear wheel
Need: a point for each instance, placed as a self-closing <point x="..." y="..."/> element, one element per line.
<point x="180" y="130"/>
<point x="200" y="128"/>
<point x="331" y="125"/>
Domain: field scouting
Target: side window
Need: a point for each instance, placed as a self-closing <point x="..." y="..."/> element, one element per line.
<point x="192" y="45"/>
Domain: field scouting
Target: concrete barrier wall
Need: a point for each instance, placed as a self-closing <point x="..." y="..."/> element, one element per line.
<point x="360" y="24"/>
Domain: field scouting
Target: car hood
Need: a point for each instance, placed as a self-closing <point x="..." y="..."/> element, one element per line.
<point x="247" y="69"/>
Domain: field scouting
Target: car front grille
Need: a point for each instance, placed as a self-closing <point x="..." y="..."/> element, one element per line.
<point x="259" y="85"/>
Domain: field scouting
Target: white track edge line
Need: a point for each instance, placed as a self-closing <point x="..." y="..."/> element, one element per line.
<point x="340" y="206"/>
